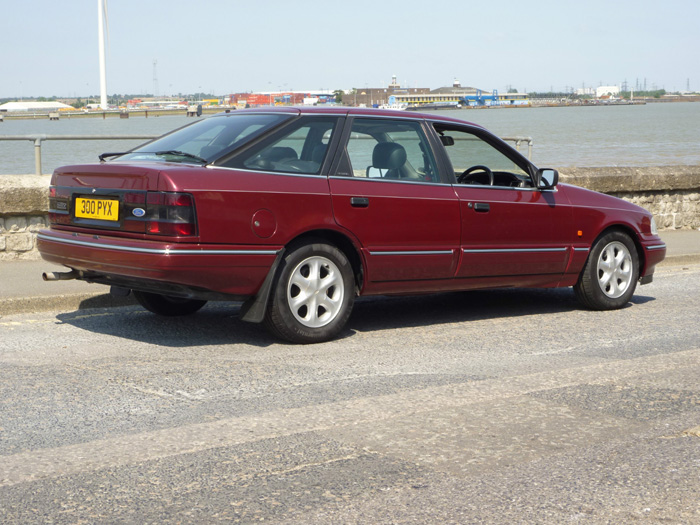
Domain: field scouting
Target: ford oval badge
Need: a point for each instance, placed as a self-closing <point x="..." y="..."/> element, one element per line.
<point x="138" y="212"/>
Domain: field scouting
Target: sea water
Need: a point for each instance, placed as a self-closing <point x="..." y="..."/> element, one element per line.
<point x="655" y="134"/>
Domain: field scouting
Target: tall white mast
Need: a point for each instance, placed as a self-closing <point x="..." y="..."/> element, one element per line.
<point x="101" y="14"/>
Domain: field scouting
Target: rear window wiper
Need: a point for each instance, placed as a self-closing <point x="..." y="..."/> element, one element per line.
<point x="181" y="154"/>
<point x="103" y="156"/>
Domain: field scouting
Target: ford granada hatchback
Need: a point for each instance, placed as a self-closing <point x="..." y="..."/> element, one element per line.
<point x="298" y="211"/>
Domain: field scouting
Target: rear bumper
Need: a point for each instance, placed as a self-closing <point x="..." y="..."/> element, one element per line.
<point x="228" y="270"/>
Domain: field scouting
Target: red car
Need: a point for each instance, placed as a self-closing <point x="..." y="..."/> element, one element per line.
<point x="297" y="211"/>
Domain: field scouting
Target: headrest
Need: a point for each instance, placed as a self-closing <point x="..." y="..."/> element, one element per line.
<point x="388" y="156"/>
<point x="318" y="152"/>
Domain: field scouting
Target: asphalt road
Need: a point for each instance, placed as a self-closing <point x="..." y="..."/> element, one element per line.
<point x="503" y="406"/>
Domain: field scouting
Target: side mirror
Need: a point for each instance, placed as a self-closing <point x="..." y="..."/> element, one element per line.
<point x="547" y="178"/>
<point x="447" y="140"/>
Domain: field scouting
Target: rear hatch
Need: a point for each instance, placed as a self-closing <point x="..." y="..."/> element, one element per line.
<point x="119" y="198"/>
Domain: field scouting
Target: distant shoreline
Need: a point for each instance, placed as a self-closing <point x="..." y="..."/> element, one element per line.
<point x="145" y="113"/>
<point x="153" y="113"/>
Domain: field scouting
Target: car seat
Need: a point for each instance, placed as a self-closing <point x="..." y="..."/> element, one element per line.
<point x="388" y="156"/>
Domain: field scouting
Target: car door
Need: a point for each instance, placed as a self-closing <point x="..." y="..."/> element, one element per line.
<point x="509" y="227"/>
<point x="387" y="191"/>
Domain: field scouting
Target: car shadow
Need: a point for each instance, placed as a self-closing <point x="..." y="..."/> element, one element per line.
<point x="218" y="323"/>
<point x="456" y="307"/>
<point x="641" y="299"/>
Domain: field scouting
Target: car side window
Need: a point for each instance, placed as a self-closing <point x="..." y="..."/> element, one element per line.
<point x="477" y="162"/>
<point x="390" y="149"/>
<point x="300" y="147"/>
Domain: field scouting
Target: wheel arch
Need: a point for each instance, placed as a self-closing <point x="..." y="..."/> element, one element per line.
<point x="593" y="288"/>
<point x="340" y="241"/>
<point x="632" y="234"/>
<point x="253" y="310"/>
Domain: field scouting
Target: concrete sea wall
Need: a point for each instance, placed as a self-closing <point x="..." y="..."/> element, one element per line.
<point x="671" y="193"/>
<point x="24" y="203"/>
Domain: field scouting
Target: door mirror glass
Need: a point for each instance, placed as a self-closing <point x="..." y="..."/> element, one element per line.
<point x="548" y="178"/>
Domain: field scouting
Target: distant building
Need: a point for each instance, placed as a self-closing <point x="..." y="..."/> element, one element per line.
<point x="369" y="96"/>
<point x="43" y="107"/>
<point x="458" y="96"/>
<point x="380" y="96"/>
<point x="281" y="98"/>
<point x="607" y="91"/>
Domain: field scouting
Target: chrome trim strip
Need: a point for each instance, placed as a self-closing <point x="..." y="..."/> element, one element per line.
<point x="415" y="252"/>
<point x="280" y="173"/>
<point x="221" y="252"/>
<point x="393" y="181"/>
<point x="582" y="249"/>
<point x="489" y="187"/>
<point x="155" y="251"/>
<point x="425" y="183"/>
<point x="515" y="250"/>
<point x="656" y="247"/>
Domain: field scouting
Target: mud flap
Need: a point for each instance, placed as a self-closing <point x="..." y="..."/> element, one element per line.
<point x="253" y="309"/>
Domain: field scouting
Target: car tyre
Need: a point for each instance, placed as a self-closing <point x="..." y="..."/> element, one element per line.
<point x="610" y="275"/>
<point x="313" y="294"/>
<point x="166" y="305"/>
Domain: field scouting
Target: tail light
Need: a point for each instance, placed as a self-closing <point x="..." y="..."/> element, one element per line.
<point x="58" y="205"/>
<point x="170" y="214"/>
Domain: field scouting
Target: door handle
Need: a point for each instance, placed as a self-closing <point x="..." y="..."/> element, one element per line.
<point x="359" y="202"/>
<point x="482" y="207"/>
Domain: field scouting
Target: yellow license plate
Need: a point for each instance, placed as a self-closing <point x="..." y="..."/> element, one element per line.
<point x="102" y="209"/>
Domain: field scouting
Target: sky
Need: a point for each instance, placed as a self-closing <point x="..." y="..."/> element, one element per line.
<point x="50" y="48"/>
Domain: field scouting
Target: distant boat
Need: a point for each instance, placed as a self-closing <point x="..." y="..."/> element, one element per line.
<point x="400" y="107"/>
<point x="436" y="105"/>
<point x="614" y="102"/>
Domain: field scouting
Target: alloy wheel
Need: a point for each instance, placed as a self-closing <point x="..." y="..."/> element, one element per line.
<point x="614" y="269"/>
<point x="315" y="291"/>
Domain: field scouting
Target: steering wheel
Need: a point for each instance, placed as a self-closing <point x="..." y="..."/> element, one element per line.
<point x="465" y="174"/>
<point x="260" y="163"/>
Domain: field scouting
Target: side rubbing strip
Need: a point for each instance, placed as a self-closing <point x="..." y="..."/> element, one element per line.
<point x="433" y="252"/>
<point x="164" y="251"/>
<point x="516" y="250"/>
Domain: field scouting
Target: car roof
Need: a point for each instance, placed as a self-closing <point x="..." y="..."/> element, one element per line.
<point x="351" y="111"/>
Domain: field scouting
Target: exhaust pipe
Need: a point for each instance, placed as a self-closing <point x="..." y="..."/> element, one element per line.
<point x="60" y="276"/>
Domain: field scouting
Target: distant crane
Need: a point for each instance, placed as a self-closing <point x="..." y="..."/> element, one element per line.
<point x="155" y="78"/>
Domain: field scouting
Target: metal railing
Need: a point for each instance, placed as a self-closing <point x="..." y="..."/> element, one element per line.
<point x="518" y="141"/>
<point x="38" y="139"/>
